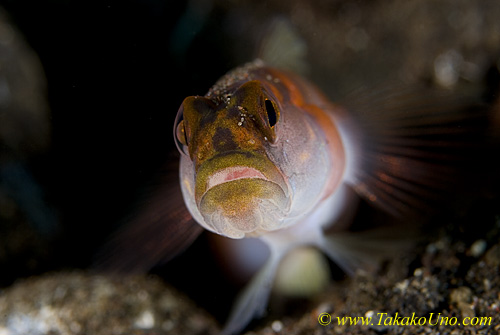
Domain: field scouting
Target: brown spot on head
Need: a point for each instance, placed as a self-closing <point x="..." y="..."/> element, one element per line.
<point x="223" y="140"/>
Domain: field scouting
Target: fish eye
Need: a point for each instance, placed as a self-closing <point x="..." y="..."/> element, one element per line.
<point x="180" y="133"/>
<point x="272" y="115"/>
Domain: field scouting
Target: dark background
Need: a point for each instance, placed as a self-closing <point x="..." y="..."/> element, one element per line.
<point x="117" y="71"/>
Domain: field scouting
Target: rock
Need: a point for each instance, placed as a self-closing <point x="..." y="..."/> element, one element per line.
<point x="462" y="298"/>
<point x="439" y="307"/>
<point x="83" y="303"/>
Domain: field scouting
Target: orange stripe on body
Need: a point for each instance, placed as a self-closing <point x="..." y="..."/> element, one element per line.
<point x="306" y="96"/>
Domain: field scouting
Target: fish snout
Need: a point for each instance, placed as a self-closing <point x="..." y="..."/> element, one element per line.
<point x="241" y="202"/>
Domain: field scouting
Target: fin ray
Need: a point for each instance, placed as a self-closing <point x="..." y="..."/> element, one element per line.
<point x="417" y="152"/>
<point x="252" y="301"/>
<point x="161" y="229"/>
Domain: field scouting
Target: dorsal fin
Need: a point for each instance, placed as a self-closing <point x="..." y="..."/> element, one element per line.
<point x="281" y="46"/>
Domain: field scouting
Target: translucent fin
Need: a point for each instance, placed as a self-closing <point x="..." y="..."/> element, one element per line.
<point x="252" y="301"/>
<point x="161" y="229"/>
<point x="367" y="249"/>
<point x="282" y="47"/>
<point x="417" y="147"/>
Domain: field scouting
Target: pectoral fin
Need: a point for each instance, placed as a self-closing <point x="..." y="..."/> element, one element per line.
<point x="160" y="230"/>
<point x="419" y="148"/>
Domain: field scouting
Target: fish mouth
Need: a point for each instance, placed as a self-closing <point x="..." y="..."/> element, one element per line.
<point x="233" y="173"/>
<point x="242" y="200"/>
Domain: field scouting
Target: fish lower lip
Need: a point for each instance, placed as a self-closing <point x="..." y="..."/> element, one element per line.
<point x="244" y="205"/>
<point x="233" y="173"/>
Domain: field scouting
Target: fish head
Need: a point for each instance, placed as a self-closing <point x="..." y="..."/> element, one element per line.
<point x="237" y="188"/>
<point x="244" y="163"/>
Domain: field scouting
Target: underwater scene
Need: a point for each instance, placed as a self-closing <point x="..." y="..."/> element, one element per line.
<point x="249" y="167"/>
